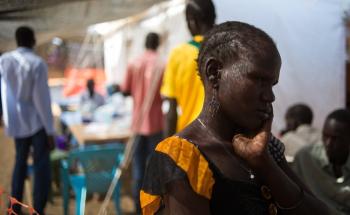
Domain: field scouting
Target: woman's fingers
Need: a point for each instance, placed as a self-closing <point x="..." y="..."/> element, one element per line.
<point x="265" y="132"/>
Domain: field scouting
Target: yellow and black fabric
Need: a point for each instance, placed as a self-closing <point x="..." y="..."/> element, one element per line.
<point x="178" y="159"/>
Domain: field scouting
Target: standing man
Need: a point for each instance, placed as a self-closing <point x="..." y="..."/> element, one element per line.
<point x="27" y="115"/>
<point x="142" y="82"/>
<point x="182" y="88"/>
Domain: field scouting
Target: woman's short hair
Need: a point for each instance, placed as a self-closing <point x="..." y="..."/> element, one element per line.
<point x="237" y="43"/>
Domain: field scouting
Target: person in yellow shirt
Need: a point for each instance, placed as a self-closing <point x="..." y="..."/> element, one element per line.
<point x="182" y="88"/>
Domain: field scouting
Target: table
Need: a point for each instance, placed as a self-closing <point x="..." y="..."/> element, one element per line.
<point x="99" y="133"/>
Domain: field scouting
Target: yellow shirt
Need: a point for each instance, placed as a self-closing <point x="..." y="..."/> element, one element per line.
<point x="182" y="82"/>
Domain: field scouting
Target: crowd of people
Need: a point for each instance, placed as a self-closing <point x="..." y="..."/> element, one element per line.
<point x="202" y="123"/>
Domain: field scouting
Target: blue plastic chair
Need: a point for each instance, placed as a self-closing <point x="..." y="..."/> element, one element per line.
<point x="90" y="170"/>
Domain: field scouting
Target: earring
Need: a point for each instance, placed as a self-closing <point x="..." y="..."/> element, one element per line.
<point x="214" y="104"/>
<point x="211" y="78"/>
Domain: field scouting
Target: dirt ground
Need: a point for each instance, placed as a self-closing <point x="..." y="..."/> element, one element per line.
<point x="54" y="207"/>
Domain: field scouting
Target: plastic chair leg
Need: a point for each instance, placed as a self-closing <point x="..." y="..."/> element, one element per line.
<point x="80" y="199"/>
<point x="65" y="192"/>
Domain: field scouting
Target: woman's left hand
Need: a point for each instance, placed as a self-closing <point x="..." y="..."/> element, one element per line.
<point x="253" y="150"/>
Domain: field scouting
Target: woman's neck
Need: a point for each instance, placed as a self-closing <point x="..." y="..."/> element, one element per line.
<point x="218" y="125"/>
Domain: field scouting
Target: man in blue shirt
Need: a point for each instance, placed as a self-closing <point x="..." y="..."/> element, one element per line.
<point x="27" y="115"/>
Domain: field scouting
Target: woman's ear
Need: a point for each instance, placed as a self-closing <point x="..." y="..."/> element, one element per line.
<point x="213" y="71"/>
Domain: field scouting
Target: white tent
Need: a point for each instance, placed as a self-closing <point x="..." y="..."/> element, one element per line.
<point x="67" y="19"/>
<point x="124" y="39"/>
<point x="310" y="35"/>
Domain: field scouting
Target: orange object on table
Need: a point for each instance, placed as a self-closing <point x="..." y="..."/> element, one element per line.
<point x="76" y="80"/>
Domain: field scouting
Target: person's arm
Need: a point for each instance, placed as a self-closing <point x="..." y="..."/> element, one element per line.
<point x="170" y="117"/>
<point x="126" y="87"/>
<point x="288" y="190"/>
<point x="168" y="91"/>
<point x="181" y="199"/>
<point x="290" y="194"/>
<point x="115" y="88"/>
<point x="42" y="101"/>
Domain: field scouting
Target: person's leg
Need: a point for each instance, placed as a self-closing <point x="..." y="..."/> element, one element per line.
<point x="138" y="167"/>
<point x="145" y="146"/>
<point x="42" y="170"/>
<point x="20" y="170"/>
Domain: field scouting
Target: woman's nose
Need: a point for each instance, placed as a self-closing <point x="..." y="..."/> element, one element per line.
<point x="268" y="96"/>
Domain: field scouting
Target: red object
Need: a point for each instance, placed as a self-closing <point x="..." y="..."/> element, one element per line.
<point x="76" y="80"/>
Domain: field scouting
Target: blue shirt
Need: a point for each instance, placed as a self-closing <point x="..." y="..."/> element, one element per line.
<point x="26" y="98"/>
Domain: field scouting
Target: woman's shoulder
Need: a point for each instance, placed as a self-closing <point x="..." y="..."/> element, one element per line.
<point x="174" y="146"/>
<point x="187" y="158"/>
<point x="174" y="159"/>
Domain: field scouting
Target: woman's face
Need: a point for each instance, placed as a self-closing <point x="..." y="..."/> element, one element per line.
<point x="246" y="96"/>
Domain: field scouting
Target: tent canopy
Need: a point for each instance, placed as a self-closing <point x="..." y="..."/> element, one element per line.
<point x="310" y="36"/>
<point x="62" y="18"/>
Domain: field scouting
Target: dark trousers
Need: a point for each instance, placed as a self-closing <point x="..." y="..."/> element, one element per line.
<point x="42" y="175"/>
<point x="145" y="145"/>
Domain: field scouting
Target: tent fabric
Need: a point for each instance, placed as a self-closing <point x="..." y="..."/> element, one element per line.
<point x="124" y="39"/>
<point x="310" y="35"/>
<point x="62" y="18"/>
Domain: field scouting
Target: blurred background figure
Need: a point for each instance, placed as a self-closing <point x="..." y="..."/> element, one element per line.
<point x="57" y="54"/>
<point x="90" y="100"/>
<point x="142" y="82"/>
<point x="182" y="88"/>
<point x="325" y="168"/>
<point x="28" y="116"/>
<point x="299" y="131"/>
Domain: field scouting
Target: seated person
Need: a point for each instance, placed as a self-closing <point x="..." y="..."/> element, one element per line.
<point x="299" y="132"/>
<point x="325" y="168"/>
<point x="90" y="100"/>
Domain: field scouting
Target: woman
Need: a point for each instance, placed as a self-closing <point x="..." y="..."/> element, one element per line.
<point x="227" y="161"/>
